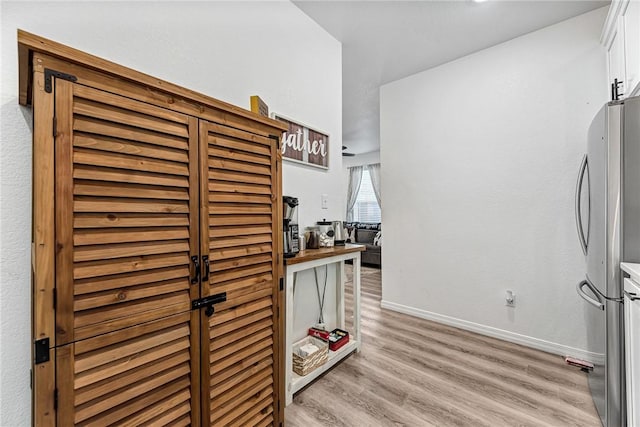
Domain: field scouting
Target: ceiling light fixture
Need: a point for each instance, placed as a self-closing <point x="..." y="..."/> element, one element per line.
<point x="479" y="1"/>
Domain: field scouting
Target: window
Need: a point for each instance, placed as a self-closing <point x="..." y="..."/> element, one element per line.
<point x="366" y="208"/>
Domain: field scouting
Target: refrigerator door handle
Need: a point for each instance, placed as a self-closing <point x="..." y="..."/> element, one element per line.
<point x="631" y="295"/>
<point x="584" y="239"/>
<point x="597" y="303"/>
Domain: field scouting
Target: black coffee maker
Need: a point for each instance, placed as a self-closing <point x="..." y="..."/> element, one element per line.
<point x="290" y="226"/>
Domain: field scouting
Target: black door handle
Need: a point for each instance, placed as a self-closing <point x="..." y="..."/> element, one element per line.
<point x="196" y="266"/>
<point x="205" y="265"/>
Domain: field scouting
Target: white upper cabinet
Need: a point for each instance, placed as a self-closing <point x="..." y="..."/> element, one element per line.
<point x="631" y="21"/>
<point x="621" y="37"/>
<point x="616" y="59"/>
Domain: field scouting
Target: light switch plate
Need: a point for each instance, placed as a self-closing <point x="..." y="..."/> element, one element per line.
<point x="325" y="201"/>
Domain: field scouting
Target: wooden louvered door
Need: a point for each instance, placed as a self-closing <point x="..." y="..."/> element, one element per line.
<point x="240" y="195"/>
<point x="126" y="182"/>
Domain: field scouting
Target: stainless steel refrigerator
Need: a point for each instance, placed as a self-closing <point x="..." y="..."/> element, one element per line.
<point x="608" y="222"/>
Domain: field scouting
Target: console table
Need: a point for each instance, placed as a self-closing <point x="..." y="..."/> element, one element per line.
<point x="308" y="259"/>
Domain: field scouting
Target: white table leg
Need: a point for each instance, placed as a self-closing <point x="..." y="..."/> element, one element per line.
<point x="289" y="336"/>
<point x="340" y="294"/>
<point x="356" y="300"/>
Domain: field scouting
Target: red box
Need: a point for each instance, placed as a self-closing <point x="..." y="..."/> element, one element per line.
<point x="337" y="339"/>
<point x="319" y="333"/>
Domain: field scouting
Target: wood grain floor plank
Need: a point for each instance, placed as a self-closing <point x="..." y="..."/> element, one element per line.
<point x="424" y="388"/>
<point x="415" y="372"/>
<point x="509" y="372"/>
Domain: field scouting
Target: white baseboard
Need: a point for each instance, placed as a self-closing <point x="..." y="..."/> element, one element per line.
<point x="538" y="344"/>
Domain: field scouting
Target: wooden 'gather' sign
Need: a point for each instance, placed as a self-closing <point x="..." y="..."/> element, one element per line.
<point x="303" y="144"/>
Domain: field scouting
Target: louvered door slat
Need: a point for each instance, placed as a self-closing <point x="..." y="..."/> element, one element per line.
<point x="115" y="235"/>
<point x="240" y="322"/>
<point x="234" y="263"/>
<point x="116" y="145"/>
<point x="264" y="420"/>
<point x="97" y="269"/>
<point x="126" y="176"/>
<point x="232" y="337"/>
<point x="234" y="253"/>
<point x="222" y="389"/>
<point x="239" y="198"/>
<point x="263" y="356"/>
<point x="251" y="178"/>
<point x="239" y="144"/>
<point x="224" y="154"/>
<point x="126" y="161"/>
<point x="220" y="353"/>
<point x="239" y="235"/>
<point x="113" y="220"/>
<point x="237" y="187"/>
<point x="251" y="284"/>
<point x="88" y="125"/>
<point x="239" y="219"/>
<point x="97" y="205"/>
<point x="254" y="401"/>
<point x="150" y="120"/>
<point x="260" y="413"/>
<point x="101" y="284"/>
<point x="127" y="225"/>
<point x="233" y="165"/>
<point x="216" y="208"/>
<point x="125" y="189"/>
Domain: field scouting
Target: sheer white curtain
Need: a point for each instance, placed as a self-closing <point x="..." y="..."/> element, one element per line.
<point x="374" y="173"/>
<point x="355" y="178"/>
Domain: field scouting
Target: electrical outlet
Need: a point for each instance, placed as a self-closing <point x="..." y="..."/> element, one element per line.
<point x="325" y="201"/>
<point x="510" y="298"/>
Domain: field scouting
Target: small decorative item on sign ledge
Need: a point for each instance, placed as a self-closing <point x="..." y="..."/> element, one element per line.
<point x="259" y="106"/>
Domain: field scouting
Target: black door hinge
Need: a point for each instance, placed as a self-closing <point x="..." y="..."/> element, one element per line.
<point x="208" y="302"/>
<point x="49" y="74"/>
<point x="41" y="350"/>
<point x="282" y="284"/>
<point x="55" y="399"/>
<point x="55" y="298"/>
<point x="55" y="126"/>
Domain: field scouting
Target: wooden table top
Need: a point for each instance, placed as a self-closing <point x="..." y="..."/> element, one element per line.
<point x="312" y="254"/>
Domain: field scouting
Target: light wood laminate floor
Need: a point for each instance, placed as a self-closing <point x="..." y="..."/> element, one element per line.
<point x="415" y="372"/>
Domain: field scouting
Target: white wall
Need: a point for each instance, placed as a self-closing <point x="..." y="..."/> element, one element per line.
<point x="480" y="156"/>
<point x="224" y="49"/>
<point x="361" y="159"/>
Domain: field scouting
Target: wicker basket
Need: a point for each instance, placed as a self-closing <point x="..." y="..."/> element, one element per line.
<point x="303" y="365"/>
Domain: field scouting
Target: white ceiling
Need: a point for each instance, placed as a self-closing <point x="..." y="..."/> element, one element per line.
<point x="383" y="41"/>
